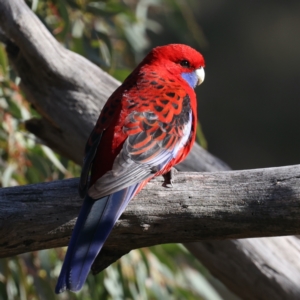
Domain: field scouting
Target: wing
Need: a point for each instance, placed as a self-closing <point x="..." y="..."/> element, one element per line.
<point x="152" y="142"/>
<point x="90" y="152"/>
<point x="108" y="114"/>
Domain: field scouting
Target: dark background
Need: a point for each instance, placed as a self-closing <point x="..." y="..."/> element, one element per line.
<point x="249" y="103"/>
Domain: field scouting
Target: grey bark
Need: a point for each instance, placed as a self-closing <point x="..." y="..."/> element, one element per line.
<point x="200" y="206"/>
<point x="69" y="92"/>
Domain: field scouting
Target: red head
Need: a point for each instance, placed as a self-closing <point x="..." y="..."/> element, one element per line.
<point x="178" y="59"/>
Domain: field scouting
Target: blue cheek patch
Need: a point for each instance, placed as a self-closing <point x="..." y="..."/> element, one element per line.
<point x="190" y="78"/>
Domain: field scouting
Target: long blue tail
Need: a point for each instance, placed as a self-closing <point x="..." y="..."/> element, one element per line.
<point x="95" y="221"/>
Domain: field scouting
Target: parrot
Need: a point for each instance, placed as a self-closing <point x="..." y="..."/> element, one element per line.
<point x="147" y="126"/>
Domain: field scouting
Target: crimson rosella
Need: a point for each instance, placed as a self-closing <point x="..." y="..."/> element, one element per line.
<point x="147" y="126"/>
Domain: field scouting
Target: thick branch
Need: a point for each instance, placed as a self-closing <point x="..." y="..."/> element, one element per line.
<point x="219" y="205"/>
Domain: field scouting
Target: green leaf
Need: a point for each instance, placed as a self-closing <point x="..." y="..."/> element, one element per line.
<point x="14" y="109"/>
<point x="73" y="4"/>
<point x="7" y="174"/>
<point x="200" y="136"/>
<point x="200" y="285"/>
<point x="65" y="16"/>
<point x="121" y="74"/>
<point x="112" y="284"/>
<point x="52" y="157"/>
<point x="78" y="46"/>
<point x="3" y="61"/>
<point x="34" y="4"/>
<point x="77" y="28"/>
<point x="100" y="35"/>
<point x="107" y="9"/>
<point x="39" y="170"/>
<point x="92" y="53"/>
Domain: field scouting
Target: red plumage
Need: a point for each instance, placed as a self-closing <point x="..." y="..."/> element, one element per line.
<point x="147" y="126"/>
<point x="154" y="86"/>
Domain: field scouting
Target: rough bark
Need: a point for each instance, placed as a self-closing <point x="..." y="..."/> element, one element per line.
<point x="261" y="268"/>
<point x="200" y="206"/>
<point x="69" y="91"/>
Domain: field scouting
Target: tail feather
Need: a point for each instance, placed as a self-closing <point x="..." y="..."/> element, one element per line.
<point x="95" y="221"/>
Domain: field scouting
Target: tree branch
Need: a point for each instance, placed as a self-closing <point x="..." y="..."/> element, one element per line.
<point x="69" y="91"/>
<point x="218" y="205"/>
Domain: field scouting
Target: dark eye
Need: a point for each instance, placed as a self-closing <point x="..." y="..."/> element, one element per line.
<point x="185" y="63"/>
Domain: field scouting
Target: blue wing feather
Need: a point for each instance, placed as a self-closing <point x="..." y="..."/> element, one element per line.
<point x="95" y="222"/>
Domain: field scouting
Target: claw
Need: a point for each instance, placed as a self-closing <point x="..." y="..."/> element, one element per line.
<point x="168" y="179"/>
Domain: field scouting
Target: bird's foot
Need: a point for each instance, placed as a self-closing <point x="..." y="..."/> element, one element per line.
<point x="168" y="178"/>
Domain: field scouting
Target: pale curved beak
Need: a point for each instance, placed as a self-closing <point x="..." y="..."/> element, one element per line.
<point x="201" y="75"/>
